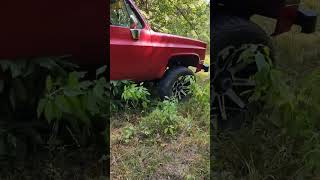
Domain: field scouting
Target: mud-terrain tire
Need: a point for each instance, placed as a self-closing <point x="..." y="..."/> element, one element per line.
<point x="235" y="32"/>
<point x="173" y="79"/>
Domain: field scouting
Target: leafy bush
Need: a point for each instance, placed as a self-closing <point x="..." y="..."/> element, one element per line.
<point x="134" y="95"/>
<point x="21" y="86"/>
<point x="43" y="88"/>
<point x="127" y="94"/>
<point x="78" y="102"/>
<point x="128" y="132"/>
<point x="164" y="120"/>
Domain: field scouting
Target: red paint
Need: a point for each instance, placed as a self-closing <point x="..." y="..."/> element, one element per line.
<point x="54" y="27"/>
<point x="148" y="57"/>
<point x="286" y="19"/>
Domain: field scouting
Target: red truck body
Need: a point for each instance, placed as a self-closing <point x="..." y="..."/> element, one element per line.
<point x="53" y="28"/>
<point x="148" y="57"/>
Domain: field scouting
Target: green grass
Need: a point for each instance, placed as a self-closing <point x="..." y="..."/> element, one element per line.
<point x="184" y="155"/>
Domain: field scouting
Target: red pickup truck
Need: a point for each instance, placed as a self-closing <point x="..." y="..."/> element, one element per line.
<point x="138" y="53"/>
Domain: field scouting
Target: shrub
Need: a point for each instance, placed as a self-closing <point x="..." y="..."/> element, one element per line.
<point x="32" y="90"/>
<point x="127" y="94"/>
<point x="164" y="120"/>
<point x="77" y="102"/>
<point x="134" y="95"/>
<point x="128" y="132"/>
<point x="21" y="86"/>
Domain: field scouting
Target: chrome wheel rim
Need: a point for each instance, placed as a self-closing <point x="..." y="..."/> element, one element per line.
<point x="233" y="83"/>
<point x="181" y="88"/>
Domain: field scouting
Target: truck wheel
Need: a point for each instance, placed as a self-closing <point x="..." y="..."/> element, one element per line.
<point x="231" y="78"/>
<point x="176" y="83"/>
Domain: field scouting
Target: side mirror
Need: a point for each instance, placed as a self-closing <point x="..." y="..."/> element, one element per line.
<point x="133" y="28"/>
<point x="135" y="34"/>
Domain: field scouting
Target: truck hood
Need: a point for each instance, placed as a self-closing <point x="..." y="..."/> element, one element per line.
<point x="177" y="41"/>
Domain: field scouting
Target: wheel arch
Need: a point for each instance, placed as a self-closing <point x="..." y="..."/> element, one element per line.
<point x="184" y="59"/>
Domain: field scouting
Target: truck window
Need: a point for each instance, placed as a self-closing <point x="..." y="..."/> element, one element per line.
<point x="134" y="15"/>
<point x="120" y="12"/>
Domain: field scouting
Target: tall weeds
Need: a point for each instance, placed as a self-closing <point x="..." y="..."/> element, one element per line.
<point x="282" y="141"/>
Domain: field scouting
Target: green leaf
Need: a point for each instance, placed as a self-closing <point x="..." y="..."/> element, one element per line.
<point x="261" y="61"/>
<point x="171" y="130"/>
<point x="42" y="103"/>
<point x="30" y="68"/>
<point x="62" y="104"/>
<point x="49" y="83"/>
<point x="98" y="91"/>
<point x="85" y="84"/>
<point x="75" y="103"/>
<point x="49" y="111"/>
<point x="72" y="91"/>
<point x="73" y="79"/>
<point x="101" y="70"/>
<point x="92" y="104"/>
<point x="81" y="75"/>
<point x="14" y="70"/>
<point x="46" y="62"/>
<point x="56" y="112"/>
<point x="103" y="82"/>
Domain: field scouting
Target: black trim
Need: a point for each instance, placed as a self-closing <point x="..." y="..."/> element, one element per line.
<point x="205" y="67"/>
<point x="307" y="19"/>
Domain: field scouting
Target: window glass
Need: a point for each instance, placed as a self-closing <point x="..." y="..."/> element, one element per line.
<point x="118" y="13"/>
<point x="133" y="15"/>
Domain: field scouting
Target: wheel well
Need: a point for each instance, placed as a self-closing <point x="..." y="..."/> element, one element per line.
<point x="183" y="60"/>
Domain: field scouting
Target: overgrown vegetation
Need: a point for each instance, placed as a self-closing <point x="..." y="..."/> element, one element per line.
<point x="282" y="141"/>
<point x="48" y="108"/>
<point x="153" y="141"/>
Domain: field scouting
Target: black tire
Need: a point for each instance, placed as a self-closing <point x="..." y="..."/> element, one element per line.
<point x="172" y="75"/>
<point x="232" y="31"/>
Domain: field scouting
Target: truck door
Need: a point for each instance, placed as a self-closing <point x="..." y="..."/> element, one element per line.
<point x="130" y="42"/>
